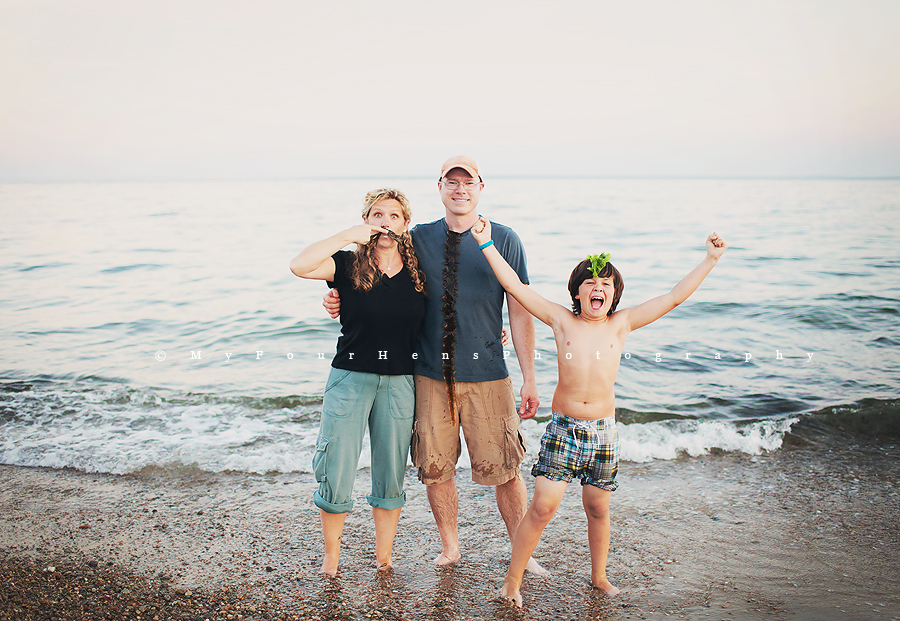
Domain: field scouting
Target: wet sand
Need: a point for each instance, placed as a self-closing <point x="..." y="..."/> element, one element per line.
<point x="807" y="532"/>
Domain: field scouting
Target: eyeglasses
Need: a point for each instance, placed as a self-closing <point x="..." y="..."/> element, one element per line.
<point x="452" y="185"/>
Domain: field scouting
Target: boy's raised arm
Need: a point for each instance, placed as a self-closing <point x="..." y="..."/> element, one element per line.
<point x="651" y="310"/>
<point x="541" y="308"/>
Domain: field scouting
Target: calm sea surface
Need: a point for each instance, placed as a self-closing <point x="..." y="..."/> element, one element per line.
<point x="157" y="324"/>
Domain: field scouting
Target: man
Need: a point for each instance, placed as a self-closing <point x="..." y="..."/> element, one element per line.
<point x="460" y="374"/>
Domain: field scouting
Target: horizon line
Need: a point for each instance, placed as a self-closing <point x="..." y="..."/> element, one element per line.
<point x="430" y="177"/>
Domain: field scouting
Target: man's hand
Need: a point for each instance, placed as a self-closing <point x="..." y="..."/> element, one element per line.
<point x="332" y="303"/>
<point x="715" y="246"/>
<point x="530" y="401"/>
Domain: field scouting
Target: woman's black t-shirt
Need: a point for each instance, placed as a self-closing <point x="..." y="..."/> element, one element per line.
<point x="378" y="327"/>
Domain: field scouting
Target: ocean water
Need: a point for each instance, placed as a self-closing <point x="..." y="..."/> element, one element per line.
<point x="156" y="325"/>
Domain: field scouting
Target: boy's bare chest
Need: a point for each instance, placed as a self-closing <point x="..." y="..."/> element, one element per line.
<point x="588" y="342"/>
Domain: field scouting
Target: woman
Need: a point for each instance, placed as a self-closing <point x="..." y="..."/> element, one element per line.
<point x="370" y="384"/>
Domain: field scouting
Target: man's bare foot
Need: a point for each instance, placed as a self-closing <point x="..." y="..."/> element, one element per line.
<point x="447" y="558"/>
<point x="533" y="568"/>
<point x="604" y="585"/>
<point x="511" y="592"/>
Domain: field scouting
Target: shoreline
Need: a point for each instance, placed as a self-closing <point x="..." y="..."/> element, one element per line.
<point x="808" y="531"/>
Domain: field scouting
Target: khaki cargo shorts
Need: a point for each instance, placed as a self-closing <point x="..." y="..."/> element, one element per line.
<point x="490" y="422"/>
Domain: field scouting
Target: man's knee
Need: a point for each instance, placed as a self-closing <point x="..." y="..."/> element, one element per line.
<point x="440" y="486"/>
<point x="512" y="483"/>
<point x="433" y="474"/>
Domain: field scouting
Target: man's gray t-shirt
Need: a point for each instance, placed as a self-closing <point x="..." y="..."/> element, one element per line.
<point x="479" y="302"/>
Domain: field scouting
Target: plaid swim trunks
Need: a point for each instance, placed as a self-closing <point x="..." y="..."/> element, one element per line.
<point x="587" y="449"/>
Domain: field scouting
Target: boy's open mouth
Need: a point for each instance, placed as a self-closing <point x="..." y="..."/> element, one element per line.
<point x="596" y="302"/>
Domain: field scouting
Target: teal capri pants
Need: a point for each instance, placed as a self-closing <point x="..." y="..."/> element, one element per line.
<point x="354" y="401"/>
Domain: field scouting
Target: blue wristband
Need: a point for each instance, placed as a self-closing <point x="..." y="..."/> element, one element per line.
<point x="486" y="244"/>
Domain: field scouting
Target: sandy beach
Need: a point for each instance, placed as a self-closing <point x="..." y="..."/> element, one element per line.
<point x="806" y="532"/>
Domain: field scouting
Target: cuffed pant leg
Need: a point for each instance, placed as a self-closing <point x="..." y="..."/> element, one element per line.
<point x="390" y="430"/>
<point x="348" y="399"/>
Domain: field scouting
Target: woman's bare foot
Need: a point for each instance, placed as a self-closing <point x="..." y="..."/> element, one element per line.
<point x="606" y="586"/>
<point x="533" y="568"/>
<point x="510" y="591"/>
<point x="385" y="566"/>
<point x="331" y="572"/>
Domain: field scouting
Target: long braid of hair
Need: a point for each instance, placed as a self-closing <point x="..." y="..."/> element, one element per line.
<point x="411" y="261"/>
<point x="448" y="310"/>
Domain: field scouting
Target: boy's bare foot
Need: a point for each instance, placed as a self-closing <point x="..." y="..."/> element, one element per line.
<point x="385" y="566"/>
<point x="447" y="558"/>
<point x="606" y="586"/>
<point x="511" y="592"/>
<point x="533" y="568"/>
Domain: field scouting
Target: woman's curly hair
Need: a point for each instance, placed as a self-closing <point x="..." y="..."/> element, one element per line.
<point x="365" y="273"/>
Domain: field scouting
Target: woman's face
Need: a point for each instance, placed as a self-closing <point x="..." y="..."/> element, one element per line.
<point x="387" y="214"/>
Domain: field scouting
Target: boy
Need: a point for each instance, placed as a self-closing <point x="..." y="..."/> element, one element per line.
<point x="581" y="438"/>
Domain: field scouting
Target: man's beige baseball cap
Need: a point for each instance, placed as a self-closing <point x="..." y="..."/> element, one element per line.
<point x="460" y="161"/>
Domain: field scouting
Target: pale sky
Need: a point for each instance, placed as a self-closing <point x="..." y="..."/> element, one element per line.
<point x="213" y="89"/>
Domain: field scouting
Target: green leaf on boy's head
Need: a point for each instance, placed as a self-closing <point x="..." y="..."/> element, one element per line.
<point x="598" y="262"/>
